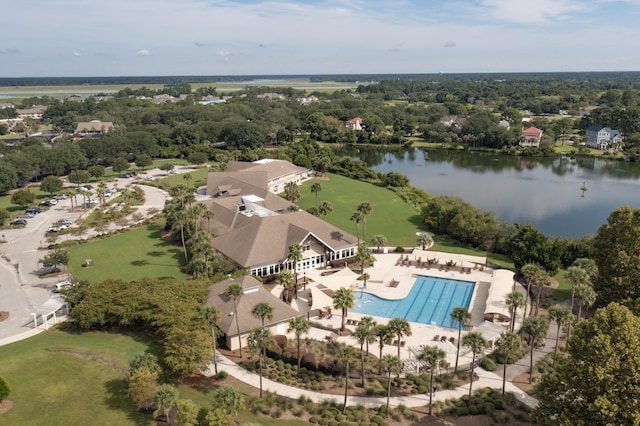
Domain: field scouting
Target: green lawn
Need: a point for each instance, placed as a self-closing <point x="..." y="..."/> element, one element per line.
<point x="390" y="216"/>
<point x="79" y="378"/>
<point x="447" y="245"/>
<point x="198" y="178"/>
<point x="129" y="256"/>
<point x="563" y="292"/>
<point x="60" y="378"/>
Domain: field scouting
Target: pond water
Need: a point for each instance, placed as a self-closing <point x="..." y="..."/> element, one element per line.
<point x="546" y="192"/>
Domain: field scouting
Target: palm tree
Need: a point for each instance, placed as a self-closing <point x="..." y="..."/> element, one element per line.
<point x="365" y="208"/>
<point x="343" y="299"/>
<point x="528" y="272"/>
<point x="258" y="341"/>
<point x="295" y="256"/>
<point x="196" y="213"/>
<point x="101" y="191"/>
<point x="562" y="316"/>
<point x="369" y="324"/>
<point x="357" y="217"/>
<point x="424" y="240"/>
<point x="291" y="192"/>
<point x="432" y="357"/>
<point x="384" y="335"/>
<point x="262" y="310"/>
<point x="325" y="208"/>
<point x="399" y="327"/>
<point x="165" y="399"/>
<point x="300" y="326"/>
<point x="542" y="279"/>
<point x="463" y="316"/>
<point x="535" y="329"/>
<point x="576" y="277"/>
<point x="391" y="364"/>
<point x="363" y="255"/>
<point x="507" y="343"/>
<point x="346" y="354"/>
<point x="476" y="343"/>
<point x="379" y="241"/>
<point x="315" y="188"/>
<point x="287" y="281"/>
<point x="233" y="293"/>
<point x="181" y="219"/>
<point x="211" y="315"/>
<point x="515" y="300"/>
<point x="586" y="296"/>
<point x="361" y="335"/>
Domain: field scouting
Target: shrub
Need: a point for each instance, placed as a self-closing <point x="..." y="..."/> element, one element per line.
<point x="399" y="249"/>
<point x="314" y="420"/>
<point x="281" y="341"/>
<point x="309" y="361"/>
<point x="489" y="365"/>
<point x="222" y="375"/>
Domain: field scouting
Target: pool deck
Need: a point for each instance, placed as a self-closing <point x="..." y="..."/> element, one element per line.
<point x="380" y="277"/>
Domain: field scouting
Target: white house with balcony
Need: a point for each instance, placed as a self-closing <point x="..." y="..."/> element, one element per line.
<point x="603" y="138"/>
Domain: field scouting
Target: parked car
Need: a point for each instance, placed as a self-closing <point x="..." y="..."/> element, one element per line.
<point x="26" y="216"/>
<point x="87" y="187"/>
<point x="46" y="203"/>
<point x="62" y="285"/>
<point x="34" y="210"/>
<point x="60" y="197"/>
<point x="53" y="201"/>
<point x="125" y="175"/>
<point x="19" y="222"/>
<point x="64" y="222"/>
<point x="91" y="202"/>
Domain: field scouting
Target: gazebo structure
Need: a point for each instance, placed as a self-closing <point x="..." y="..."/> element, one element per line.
<point x="48" y="309"/>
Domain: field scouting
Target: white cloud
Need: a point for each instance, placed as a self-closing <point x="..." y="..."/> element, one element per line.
<point x="529" y="12"/>
<point x="76" y="53"/>
<point x="143" y="52"/>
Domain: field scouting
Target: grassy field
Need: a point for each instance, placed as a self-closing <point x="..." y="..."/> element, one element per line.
<point x="390" y="216"/>
<point x="128" y="256"/>
<point x="71" y="378"/>
<point x="60" y="378"/>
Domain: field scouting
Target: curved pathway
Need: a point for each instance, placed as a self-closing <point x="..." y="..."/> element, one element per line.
<point x="485" y="379"/>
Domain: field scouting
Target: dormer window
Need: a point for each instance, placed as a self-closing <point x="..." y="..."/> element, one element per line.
<point x="306" y="247"/>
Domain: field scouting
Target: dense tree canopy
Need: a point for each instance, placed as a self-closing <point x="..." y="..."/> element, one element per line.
<point x="598" y="382"/>
<point x="617" y="257"/>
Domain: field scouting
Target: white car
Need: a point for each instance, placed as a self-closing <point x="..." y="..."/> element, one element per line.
<point x="62" y="285"/>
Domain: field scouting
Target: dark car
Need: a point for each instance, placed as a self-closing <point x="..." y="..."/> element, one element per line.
<point x="19" y="222"/>
<point x="34" y="210"/>
<point x="46" y="203"/>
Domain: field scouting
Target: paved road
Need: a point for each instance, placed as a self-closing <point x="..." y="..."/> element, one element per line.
<point x="21" y="289"/>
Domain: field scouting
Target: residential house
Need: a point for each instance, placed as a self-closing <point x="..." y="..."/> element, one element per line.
<point x="255" y="228"/>
<point x="307" y="100"/>
<point x="253" y="293"/>
<point x="354" y="124"/>
<point x="531" y="136"/>
<point x="603" y="138"/>
<point x="272" y="96"/>
<point x="93" y="127"/>
<point x="4" y="105"/>
<point x="33" y="112"/>
<point x="278" y="173"/>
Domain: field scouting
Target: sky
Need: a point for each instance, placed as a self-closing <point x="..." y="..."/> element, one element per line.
<point x="41" y="38"/>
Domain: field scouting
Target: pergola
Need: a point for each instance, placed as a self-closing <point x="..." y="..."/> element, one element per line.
<point x="47" y="309"/>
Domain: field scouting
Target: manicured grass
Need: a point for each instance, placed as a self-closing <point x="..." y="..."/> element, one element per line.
<point x="79" y="378"/>
<point x="129" y="256"/>
<point x="198" y="178"/>
<point x="449" y="246"/>
<point x="5" y="201"/>
<point x="390" y="216"/>
<point x="563" y="292"/>
<point x="60" y="378"/>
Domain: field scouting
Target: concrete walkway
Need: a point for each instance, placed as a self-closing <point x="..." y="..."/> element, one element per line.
<point x="485" y="379"/>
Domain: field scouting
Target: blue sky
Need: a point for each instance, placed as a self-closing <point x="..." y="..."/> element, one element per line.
<point x="242" y="37"/>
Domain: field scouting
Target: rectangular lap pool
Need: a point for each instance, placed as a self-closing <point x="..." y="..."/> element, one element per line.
<point x="430" y="300"/>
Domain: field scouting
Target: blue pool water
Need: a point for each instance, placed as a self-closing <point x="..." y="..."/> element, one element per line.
<point x="430" y="300"/>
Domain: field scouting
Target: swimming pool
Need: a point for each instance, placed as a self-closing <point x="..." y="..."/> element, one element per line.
<point x="430" y="300"/>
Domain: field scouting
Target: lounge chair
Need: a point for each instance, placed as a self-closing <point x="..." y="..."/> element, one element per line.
<point x="436" y="337"/>
<point x="395" y="342"/>
<point x="402" y="343"/>
<point x="443" y="339"/>
<point x="452" y="339"/>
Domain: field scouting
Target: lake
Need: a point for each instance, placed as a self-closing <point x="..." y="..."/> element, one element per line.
<point x="545" y="192"/>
